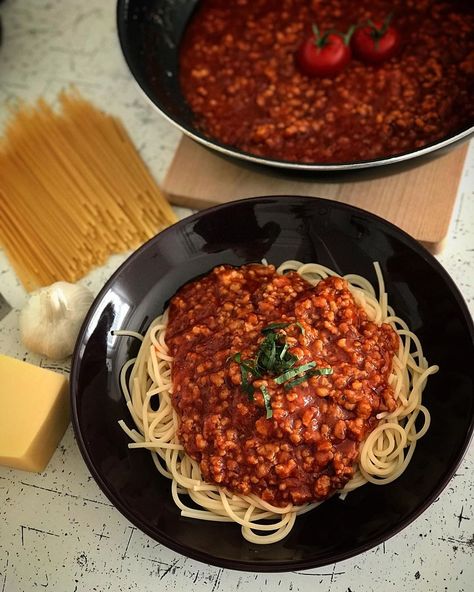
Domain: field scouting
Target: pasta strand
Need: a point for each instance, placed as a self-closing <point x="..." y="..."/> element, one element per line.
<point x="384" y="455"/>
<point x="74" y="191"/>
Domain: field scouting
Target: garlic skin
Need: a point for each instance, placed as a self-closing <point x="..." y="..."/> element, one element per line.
<point x="52" y="318"/>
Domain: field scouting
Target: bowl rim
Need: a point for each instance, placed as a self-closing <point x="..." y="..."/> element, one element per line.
<point x="236" y="153"/>
<point x="278" y="565"/>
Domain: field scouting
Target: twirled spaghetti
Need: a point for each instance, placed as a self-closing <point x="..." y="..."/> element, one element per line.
<point x="383" y="455"/>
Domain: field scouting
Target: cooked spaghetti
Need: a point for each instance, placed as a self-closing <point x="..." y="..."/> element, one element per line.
<point x="73" y="191"/>
<point x="304" y="429"/>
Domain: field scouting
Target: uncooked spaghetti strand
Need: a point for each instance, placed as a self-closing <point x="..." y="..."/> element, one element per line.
<point x="30" y="237"/>
<point x="126" y="156"/>
<point x="29" y="210"/>
<point x="68" y="169"/>
<point x="73" y="190"/>
<point x="82" y="173"/>
<point x="78" y="172"/>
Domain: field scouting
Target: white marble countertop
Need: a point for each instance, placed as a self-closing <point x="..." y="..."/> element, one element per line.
<point x="57" y="529"/>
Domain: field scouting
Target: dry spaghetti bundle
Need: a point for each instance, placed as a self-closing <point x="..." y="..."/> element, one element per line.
<point x="73" y="190"/>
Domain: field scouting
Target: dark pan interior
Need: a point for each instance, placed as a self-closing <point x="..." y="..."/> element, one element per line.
<point x="150" y="32"/>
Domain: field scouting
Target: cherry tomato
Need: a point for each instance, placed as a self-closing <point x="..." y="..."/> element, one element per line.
<point x="323" y="55"/>
<point x="375" y="43"/>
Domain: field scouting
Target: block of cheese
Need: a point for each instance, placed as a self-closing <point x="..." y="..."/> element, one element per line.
<point x="34" y="414"/>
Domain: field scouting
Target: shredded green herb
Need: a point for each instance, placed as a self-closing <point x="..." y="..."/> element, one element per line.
<point x="294" y="372"/>
<point x="289" y="385"/>
<point x="323" y="371"/>
<point x="301" y="328"/>
<point x="245" y="370"/>
<point x="273" y="358"/>
<point x="272" y="326"/>
<point x="246" y="386"/>
<point x="315" y="372"/>
<point x="283" y="351"/>
<point x="267" y="401"/>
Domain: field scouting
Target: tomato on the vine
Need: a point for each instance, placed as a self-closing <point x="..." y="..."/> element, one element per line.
<point x="325" y="54"/>
<point x="375" y="43"/>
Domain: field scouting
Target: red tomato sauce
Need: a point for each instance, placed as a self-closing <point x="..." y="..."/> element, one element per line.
<point x="238" y="74"/>
<point x="310" y="445"/>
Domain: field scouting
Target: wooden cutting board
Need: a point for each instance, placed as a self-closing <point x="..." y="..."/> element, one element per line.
<point x="419" y="198"/>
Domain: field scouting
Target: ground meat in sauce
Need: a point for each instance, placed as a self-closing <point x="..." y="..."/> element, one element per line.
<point x="309" y="447"/>
<point x="238" y="74"/>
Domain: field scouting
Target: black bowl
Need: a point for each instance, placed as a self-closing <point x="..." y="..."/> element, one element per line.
<point x="150" y="32"/>
<point x="308" y="229"/>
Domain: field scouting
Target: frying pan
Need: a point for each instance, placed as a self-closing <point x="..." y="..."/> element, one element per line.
<point x="150" y="32"/>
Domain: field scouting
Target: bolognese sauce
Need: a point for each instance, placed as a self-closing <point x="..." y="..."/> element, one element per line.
<point x="239" y="76"/>
<point x="308" y="445"/>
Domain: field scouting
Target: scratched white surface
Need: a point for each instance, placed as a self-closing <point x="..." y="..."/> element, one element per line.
<point x="57" y="530"/>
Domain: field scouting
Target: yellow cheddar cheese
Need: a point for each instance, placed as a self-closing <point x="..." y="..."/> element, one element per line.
<point x="34" y="414"/>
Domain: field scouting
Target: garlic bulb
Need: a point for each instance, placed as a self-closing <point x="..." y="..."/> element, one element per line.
<point x="52" y="317"/>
